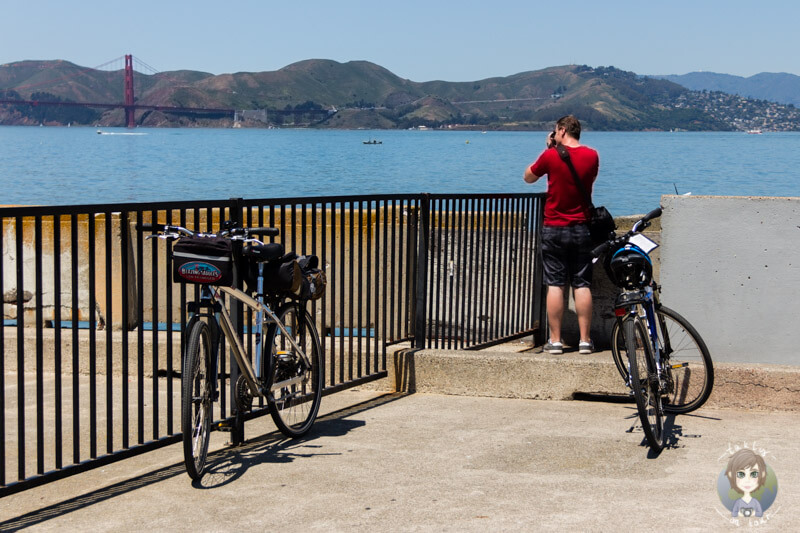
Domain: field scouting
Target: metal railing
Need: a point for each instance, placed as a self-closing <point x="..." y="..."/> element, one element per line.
<point x="93" y="325"/>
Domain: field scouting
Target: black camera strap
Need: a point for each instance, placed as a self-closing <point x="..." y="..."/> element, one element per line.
<point x="562" y="151"/>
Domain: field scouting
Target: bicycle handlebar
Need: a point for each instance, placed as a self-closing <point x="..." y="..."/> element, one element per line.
<point x="270" y="232"/>
<point x="167" y="231"/>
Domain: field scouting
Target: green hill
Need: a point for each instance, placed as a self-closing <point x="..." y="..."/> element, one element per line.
<point x="359" y="94"/>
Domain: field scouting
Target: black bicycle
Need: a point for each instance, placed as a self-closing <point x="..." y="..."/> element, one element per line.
<point x="658" y="353"/>
<point x="286" y="366"/>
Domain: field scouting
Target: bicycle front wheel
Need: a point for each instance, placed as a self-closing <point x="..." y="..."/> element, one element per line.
<point x="644" y="381"/>
<point x="196" y="399"/>
<point x="687" y="363"/>
<point x="295" y="383"/>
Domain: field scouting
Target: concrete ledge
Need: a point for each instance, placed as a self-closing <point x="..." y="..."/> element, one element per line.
<point x="530" y="375"/>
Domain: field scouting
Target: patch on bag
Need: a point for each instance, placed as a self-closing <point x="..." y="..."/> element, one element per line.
<point x="200" y="272"/>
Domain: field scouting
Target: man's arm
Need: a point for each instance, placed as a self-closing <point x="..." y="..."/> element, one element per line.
<point x="529" y="176"/>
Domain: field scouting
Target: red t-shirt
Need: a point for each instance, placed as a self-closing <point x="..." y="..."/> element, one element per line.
<point x="565" y="205"/>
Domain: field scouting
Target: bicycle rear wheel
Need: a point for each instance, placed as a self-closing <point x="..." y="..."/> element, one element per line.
<point x="644" y="381"/>
<point x="196" y="399"/>
<point x="687" y="363"/>
<point x="295" y="384"/>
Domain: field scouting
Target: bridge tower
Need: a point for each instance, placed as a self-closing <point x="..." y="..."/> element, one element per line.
<point x="129" y="109"/>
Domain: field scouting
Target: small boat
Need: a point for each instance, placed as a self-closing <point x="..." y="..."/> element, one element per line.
<point x="755" y="131"/>
<point x="373" y="141"/>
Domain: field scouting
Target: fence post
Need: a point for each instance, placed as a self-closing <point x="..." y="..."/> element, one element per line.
<point x="237" y="312"/>
<point x="421" y="304"/>
<point x="539" y="300"/>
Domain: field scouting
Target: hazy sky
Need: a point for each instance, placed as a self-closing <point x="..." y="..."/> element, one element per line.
<point x="466" y="40"/>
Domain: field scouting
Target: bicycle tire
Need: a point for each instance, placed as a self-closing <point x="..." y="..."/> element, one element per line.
<point x="196" y="399"/>
<point x="689" y="386"/>
<point x="294" y="407"/>
<point x="644" y="382"/>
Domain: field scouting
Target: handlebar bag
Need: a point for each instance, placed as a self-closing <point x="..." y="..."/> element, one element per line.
<point x="202" y="260"/>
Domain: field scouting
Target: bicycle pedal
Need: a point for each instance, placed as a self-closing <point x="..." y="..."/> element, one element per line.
<point x="225" y="426"/>
<point x="679" y="365"/>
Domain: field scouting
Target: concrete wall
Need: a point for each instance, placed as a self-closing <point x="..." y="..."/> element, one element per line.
<point x="731" y="266"/>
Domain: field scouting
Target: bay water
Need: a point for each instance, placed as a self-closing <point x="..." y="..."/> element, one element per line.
<point x="65" y="166"/>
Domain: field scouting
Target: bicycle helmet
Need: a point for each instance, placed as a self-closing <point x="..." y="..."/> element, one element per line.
<point x="629" y="267"/>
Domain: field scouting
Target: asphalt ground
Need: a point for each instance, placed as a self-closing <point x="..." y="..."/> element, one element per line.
<point x="428" y="462"/>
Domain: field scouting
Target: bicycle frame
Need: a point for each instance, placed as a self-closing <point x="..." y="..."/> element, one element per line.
<point x="643" y="303"/>
<point x="212" y="295"/>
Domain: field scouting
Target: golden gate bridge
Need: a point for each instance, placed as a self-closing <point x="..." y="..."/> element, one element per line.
<point x="129" y="103"/>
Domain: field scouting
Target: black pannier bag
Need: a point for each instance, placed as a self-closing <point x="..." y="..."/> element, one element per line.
<point x="202" y="260"/>
<point x="282" y="276"/>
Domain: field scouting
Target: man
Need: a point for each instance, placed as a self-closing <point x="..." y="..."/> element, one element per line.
<point x="566" y="244"/>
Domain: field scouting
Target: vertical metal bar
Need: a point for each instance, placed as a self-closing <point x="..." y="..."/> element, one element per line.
<point x="385" y="257"/>
<point x="332" y="291"/>
<point x="439" y="290"/>
<point x="377" y="282"/>
<point x="469" y="274"/>
<point x="539" y="302"/>
<point x="109" y="339"/>
<point x="37" y="246"/>
<point x="237" y="321"/>
<point x="92" y="338"/>
<point x="501" y="328"/>
<point x="485" y="259"/>
<point x="20" y="350"/>
<point x="351" y="279"/>
<point x="183" y="288"/>
<point x="58" y="399"/>
<point x="515" y="281"/>
<point x="323" y="266"/>
<point x="411" y="266"/>
<point x="76" y="437"/>
<point x="154" y="299"/>
<point x="450" y="247"/>
<point x="391" y="287"/>
<point x="168" y="327"/>
<point x="402" y="274"/>
<point x="124" y="223"/>
<point x="140" y="329"/>
<point x="368" y="361"/>
<point x="464" y="267"/>
<point x="343" y="285"/>
<point x="494" y="223"/>
<point x="420" y="318"/>
<point x="360" y="288"/>
<point x="433" y="286"/>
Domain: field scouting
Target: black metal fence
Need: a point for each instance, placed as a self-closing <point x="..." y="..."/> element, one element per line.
<point x="93" y="325"/>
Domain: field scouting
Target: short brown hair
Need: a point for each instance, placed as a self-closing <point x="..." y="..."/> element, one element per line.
<point x="571" y="124"/>
<point x="746" y="458"/>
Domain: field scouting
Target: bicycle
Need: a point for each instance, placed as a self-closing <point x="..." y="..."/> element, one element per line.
<point x="668" y="367"/>
<point x="287" y="368"/>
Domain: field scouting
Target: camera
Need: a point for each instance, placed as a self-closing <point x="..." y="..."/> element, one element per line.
<point x="551" y="139"/>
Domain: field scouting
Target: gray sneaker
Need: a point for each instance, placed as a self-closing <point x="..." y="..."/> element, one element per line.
<point x="554" y="348"/>
<point x="586" y="347"/>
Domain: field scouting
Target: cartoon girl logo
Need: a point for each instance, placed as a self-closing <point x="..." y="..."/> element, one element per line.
<point x="747" y="486"/>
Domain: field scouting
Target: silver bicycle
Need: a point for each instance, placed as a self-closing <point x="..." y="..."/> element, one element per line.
<point x="286" y="366"/>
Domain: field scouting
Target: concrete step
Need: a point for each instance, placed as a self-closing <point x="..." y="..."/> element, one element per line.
<point x="521" y="371"/>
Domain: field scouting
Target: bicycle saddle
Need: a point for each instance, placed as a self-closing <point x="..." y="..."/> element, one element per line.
<point x="264" y="252"/>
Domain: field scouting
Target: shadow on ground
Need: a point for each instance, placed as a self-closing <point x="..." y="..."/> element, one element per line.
<point x="224" y="466"/>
